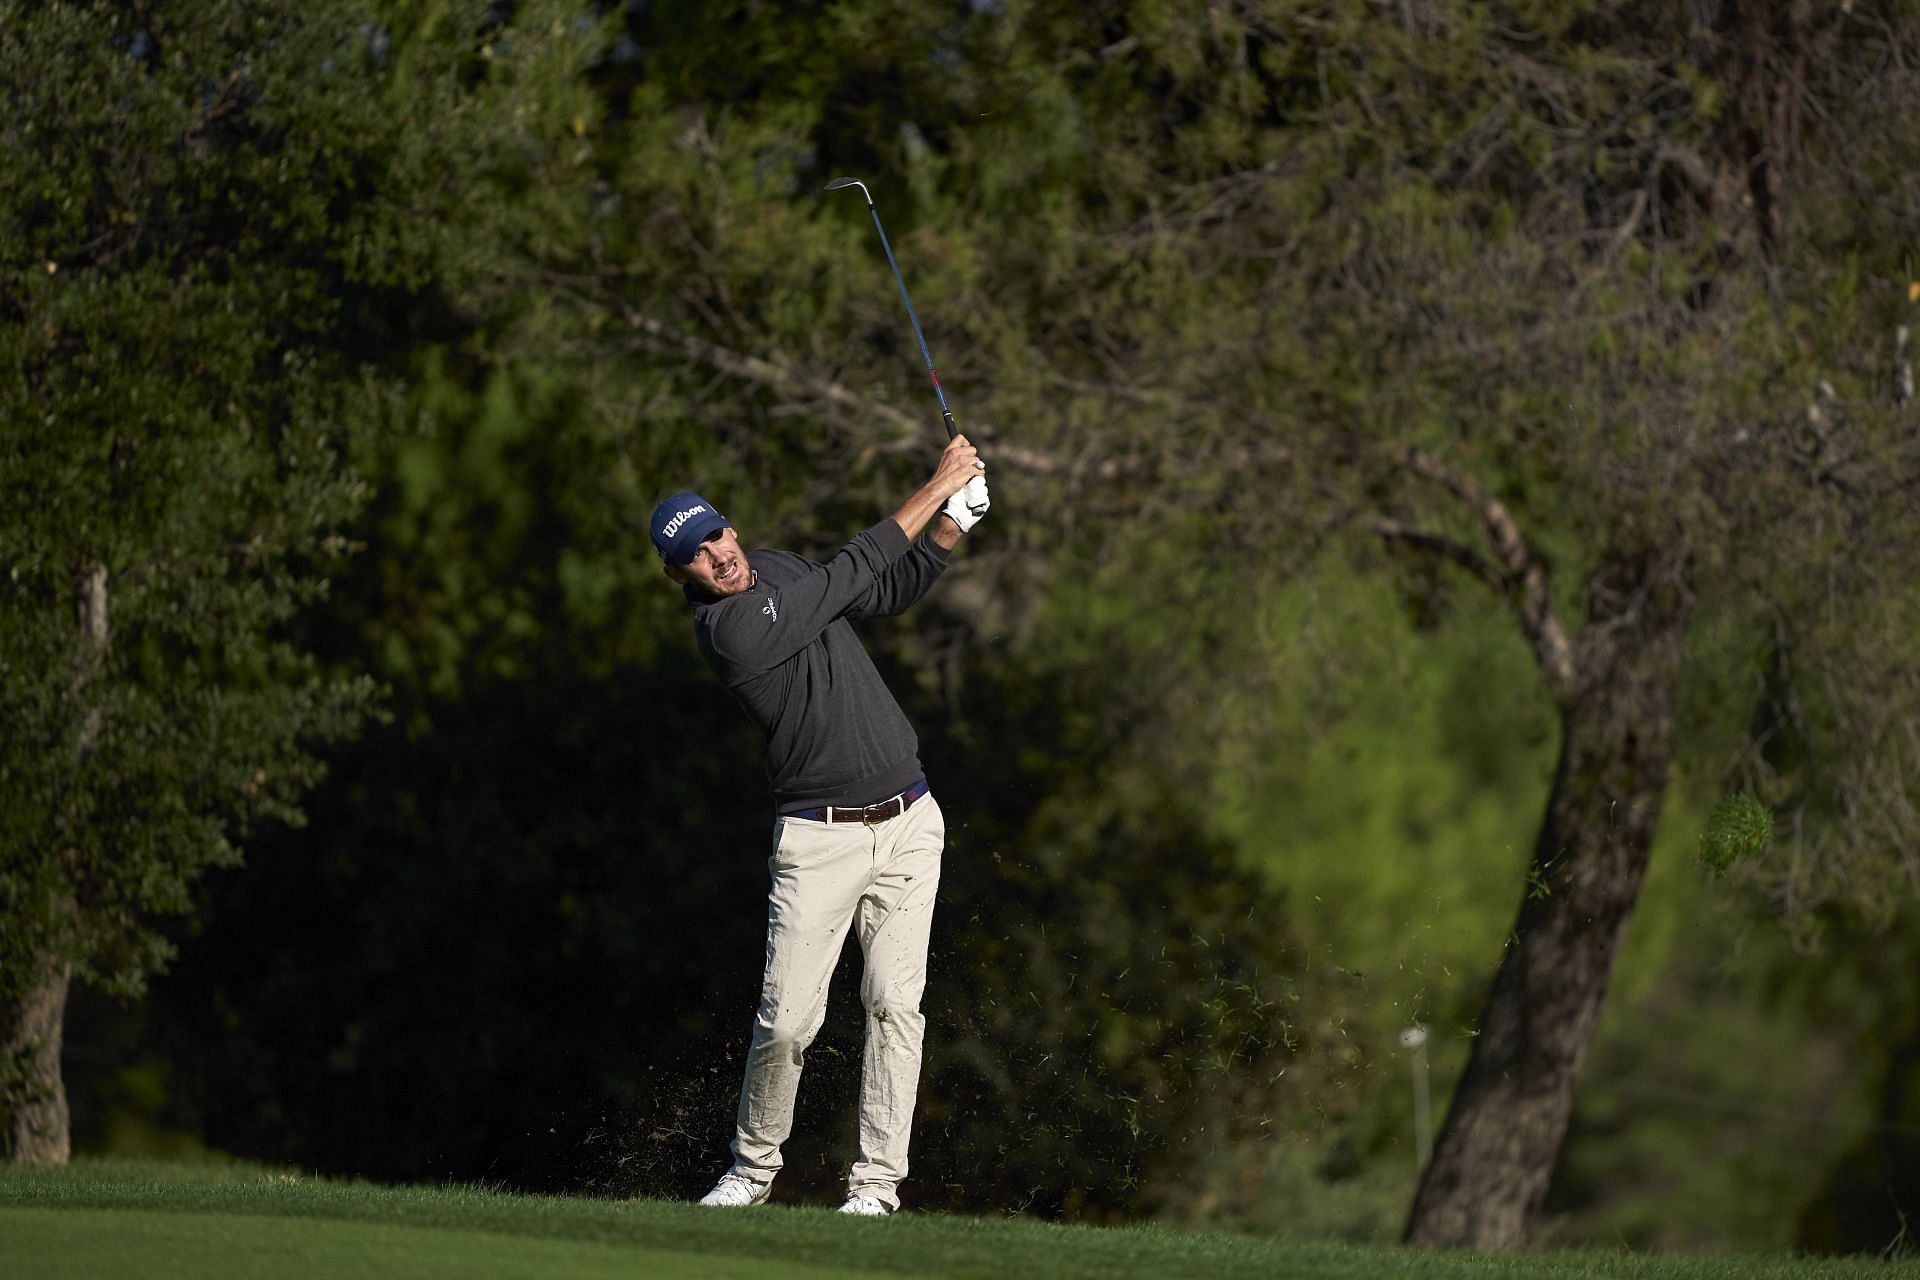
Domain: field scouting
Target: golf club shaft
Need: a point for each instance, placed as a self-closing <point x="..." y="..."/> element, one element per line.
<point x="926" y="355"/>
<point x="939" y="394"/>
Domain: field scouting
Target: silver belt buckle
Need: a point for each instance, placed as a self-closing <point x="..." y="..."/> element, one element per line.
<point x="867" y="814"/>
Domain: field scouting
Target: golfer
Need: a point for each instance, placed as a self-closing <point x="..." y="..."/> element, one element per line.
<point x="856" y="834"/>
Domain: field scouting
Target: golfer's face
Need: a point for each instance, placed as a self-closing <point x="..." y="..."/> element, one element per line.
<point x="719" y="566"/>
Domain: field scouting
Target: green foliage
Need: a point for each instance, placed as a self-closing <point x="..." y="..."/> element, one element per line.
<point x="1739" y="827"/>
<point x="199" y="223"/>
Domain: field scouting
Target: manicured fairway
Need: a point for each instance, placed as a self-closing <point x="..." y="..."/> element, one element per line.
<point x="158" y="1245"/>
<point x="120" y="1218"/>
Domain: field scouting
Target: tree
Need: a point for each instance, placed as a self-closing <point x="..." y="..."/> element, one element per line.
<point x="201" y="202"/>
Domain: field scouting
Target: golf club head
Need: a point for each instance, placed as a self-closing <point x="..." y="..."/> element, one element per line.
<point x="839" y="183"/>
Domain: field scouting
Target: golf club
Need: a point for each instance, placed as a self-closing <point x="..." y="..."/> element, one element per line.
<point x="945" y="412"/>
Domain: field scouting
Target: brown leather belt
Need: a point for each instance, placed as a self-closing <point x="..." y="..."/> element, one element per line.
<point x="868" y="814"/>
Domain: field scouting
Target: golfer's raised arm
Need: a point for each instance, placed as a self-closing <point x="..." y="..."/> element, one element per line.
<point x="793" y="615"/>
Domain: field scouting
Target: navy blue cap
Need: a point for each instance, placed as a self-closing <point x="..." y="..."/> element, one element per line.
<point x="681" y="523"/>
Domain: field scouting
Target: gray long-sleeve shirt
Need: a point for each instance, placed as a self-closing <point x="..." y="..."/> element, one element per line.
<point x="786" y="650"/>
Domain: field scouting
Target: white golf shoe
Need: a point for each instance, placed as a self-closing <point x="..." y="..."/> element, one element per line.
<point x="736" y="1192"/>
<point x="866" y="1206"/>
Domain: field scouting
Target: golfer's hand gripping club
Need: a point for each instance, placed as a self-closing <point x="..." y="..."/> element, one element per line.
<point x="959" y="465"/>
<point x="965" y="505"/>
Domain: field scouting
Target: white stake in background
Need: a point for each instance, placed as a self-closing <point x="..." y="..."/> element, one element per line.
<point x="1415" y="1038"/>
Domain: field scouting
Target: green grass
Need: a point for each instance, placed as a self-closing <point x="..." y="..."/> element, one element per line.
<point x="156" y="1220"/>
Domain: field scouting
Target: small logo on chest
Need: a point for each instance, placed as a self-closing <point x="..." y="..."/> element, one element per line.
<point x="770" y="611"/>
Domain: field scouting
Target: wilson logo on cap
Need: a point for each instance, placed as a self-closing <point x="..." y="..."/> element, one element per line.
<point x="679" y="518"/>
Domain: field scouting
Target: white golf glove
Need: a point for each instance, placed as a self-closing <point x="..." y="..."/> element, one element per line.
<point x="967" y="506"/>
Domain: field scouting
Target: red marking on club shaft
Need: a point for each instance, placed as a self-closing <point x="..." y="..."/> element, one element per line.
<point x="933" y="375"/>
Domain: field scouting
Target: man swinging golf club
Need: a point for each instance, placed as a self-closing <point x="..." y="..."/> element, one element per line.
<point x="857" y="835"/>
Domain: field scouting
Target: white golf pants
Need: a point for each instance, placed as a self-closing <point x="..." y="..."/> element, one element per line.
<point x="827" y="878"/>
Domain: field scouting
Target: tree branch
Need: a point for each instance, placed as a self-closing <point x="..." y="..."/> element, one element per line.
<point x="1446" y="548"/>
<point x="908" y="432"/>
<point x="1520" y="576"/>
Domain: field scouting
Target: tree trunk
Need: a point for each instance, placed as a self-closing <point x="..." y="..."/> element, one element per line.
<point x="38" y="1129"/>
<point x="38" y="1123"/>
<point x="1502" y="1135"/>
